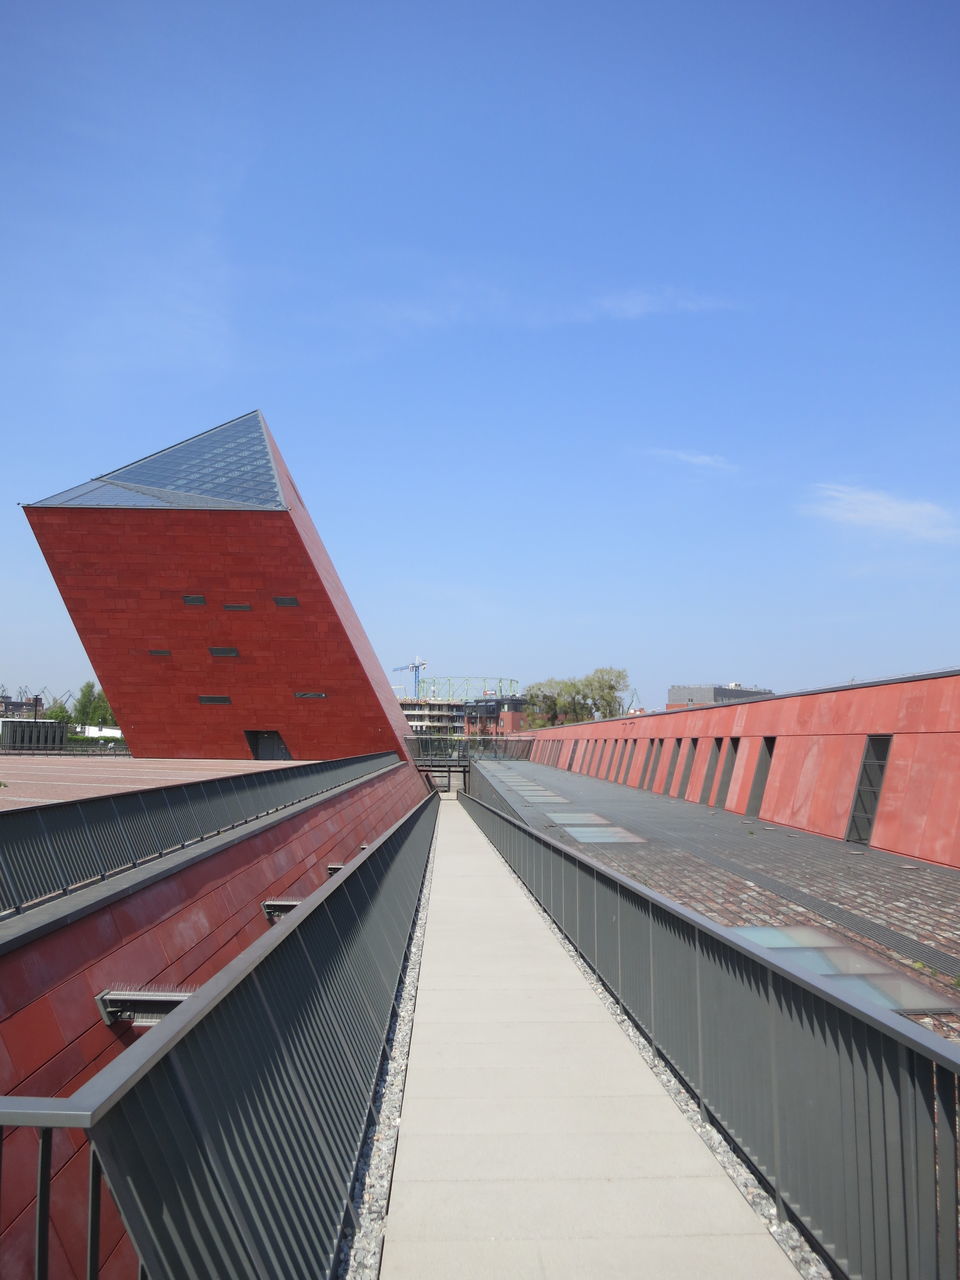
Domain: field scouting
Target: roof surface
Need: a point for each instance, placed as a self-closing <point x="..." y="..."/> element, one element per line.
<point x="230" y="467"/>
<point x="28" y="780"/>
<point x="742" y="871"/>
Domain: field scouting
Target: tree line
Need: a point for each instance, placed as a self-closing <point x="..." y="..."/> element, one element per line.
<point x="598" y="696"/>
<point x="90" y="706"/>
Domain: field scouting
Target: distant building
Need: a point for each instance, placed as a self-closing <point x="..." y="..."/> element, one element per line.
<point x="20" y="708"/>
<point x="490" y="717"/>
<point x="26" y="734"/>
<point x="712" y="695"/>
<point x="481" y="706"/>
<point x="433" y="717"/>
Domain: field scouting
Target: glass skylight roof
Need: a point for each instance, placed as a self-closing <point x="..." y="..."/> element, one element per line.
<point x="229" y="467"/>
<point x="846" y="969"/>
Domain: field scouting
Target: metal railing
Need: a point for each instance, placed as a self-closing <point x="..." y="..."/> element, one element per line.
<point x="481" y="788"/>
<point x="230" y="1134"/>
<point x="92" y="747"/>
<point x="55" y="849"/>
<point x="439" y="748"/>
<point x="846" y="1111"/>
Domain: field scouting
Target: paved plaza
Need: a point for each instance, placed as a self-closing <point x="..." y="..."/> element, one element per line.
<point x="30" y="780"/>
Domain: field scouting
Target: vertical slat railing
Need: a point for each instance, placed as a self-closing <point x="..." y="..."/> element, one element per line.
<point x="846" y="1111"/>
<point x="55" y="849"/>
<point x="230" y="1134"/>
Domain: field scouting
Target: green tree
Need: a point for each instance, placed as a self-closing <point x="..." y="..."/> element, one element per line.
<point x="57" y="711"/>
<point x="605" y="689"/>
<point x="83" y="703"/>
<point x="101" y="710"/>
<point x="541" y="703"/>
<point x="91" y="706"/>
<point x="571" y="701"/>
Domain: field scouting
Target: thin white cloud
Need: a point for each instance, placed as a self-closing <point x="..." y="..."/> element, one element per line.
<point x="692" y="459"/>
<point x="874" y="509"/>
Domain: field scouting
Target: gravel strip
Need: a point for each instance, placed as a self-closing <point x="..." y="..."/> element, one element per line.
<point x="808" y="1263"/>
<point x="361" y="1249"/>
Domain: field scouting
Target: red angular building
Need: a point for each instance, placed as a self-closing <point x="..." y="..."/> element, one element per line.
<point x="210" y="610"/>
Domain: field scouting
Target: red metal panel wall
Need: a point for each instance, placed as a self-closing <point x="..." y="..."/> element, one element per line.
<point x="820" y="740"/>
<point x="123" y="574"/>
<point x="920" y="809"/>
<point x="812" y="782"/>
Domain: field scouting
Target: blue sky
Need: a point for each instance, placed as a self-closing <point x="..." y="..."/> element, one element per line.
<point x="621" y="334"/>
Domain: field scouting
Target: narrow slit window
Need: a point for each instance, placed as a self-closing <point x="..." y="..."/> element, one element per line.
<point x="726" y="773"/>
<point x="159" y="653"/>
<point x="286" y="602"/>
<point x="309" y="695"/>
<point x="671" y="766"/>
<point x="223" y="651"/>
<point x="194" y="599"/>
<point x="687" y="768"/>
<point x="238" y="608"/>
<point x="646" y="763"/>
<point x="218" y="698"/>
<point x="713" y="759"/>
<point x="869" y="784"/>
<point x="760" y="775"/>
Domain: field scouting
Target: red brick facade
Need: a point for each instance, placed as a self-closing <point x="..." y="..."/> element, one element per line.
<point x="124" y="571"/>
<point x="123" y="574"/>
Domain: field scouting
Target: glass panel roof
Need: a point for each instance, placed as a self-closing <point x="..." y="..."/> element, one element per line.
<point x="229" y="466"/>
<point x="231" y="462"/>
<point x="846" y="969"/>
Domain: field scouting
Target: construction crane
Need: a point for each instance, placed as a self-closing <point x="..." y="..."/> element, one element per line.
<point x="416" y="666"/>
<point x="633" y="707"/>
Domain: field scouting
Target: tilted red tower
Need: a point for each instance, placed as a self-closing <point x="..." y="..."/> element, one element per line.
<point x="210" y="610"/>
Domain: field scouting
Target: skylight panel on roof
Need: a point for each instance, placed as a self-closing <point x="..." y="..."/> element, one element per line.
<point x="231" y="465"/>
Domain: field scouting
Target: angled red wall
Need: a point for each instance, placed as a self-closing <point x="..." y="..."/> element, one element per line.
<point x="123" y="573"/>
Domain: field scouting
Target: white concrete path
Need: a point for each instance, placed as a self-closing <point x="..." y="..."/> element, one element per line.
<point x="534" y="1140"/>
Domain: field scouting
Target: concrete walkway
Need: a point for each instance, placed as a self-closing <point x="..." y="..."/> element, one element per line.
<point x="534" y="1140"/>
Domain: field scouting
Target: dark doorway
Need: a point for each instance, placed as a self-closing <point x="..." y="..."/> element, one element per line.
<point x="266" y="744"/>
